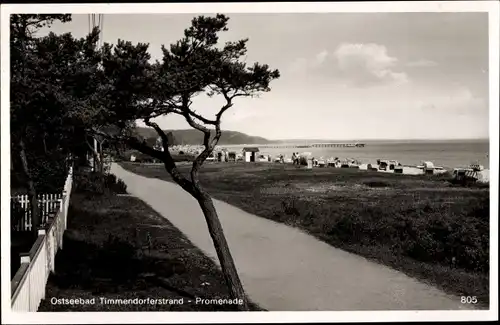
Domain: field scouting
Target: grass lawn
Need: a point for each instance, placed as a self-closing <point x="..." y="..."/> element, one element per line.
<point x="421" y="225"/>
<point x="105" y="254"/>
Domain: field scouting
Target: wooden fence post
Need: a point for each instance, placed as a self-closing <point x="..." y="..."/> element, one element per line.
<point x="25" y="257"/>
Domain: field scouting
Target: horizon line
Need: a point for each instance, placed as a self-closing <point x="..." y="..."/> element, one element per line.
<point x="383" y="139"/>
<point x="326" y="139"/>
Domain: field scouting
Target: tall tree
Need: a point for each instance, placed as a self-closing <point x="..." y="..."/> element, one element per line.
<point x="23" y="43"/>
<point x="52" y="78"/>
<point x="195" y="64"/>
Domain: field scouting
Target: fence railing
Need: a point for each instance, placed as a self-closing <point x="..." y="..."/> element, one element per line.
<point x="47" y="203"/>
<point x="28" y="284"/>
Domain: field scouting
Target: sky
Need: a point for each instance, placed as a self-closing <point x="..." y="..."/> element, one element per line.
<point x="343" y="75"/>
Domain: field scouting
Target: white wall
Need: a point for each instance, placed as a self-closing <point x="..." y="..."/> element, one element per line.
<point x="247" y="156"/>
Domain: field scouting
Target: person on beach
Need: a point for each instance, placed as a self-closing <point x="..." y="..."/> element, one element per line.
<point x="294" y="158"/>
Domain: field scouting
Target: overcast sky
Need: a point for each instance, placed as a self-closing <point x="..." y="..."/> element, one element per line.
<point x="344" y="76"/>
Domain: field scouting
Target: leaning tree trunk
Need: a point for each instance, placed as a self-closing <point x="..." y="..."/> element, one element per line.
<point x="97" y="163"/>
<point x="100" y="163"/>
<point x="101" y="159"/>
<point x="223" y="253"/>
<point x="32" y="196"/>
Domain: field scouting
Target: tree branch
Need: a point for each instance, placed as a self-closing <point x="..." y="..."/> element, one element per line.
<point x="134" y="143"/>
<point x="91" y="147"/>
<point x="163" y="156"/>
<point x="209" y="145"/>
<point x="163" y="136"/>
<point x="169" y="162"/>
<point x="187" y="113"/>
<point x="201" y="118"/>
<point x="224" y="108"/>
<point x="131" y="141"/>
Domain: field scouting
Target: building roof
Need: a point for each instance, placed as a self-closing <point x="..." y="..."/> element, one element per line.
<point x="251" y="149"/>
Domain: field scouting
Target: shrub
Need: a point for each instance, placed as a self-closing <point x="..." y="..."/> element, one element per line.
<point x="49" y="174"/>
<point x="376" y="183"/>
<point x="110" y="180"/>
<point x="17" y="180"/>
<point x="115" y="184"/>
<point x="90" y="182"/>
<point x="289" y="207"/>
<point x="48" y="169"/>
<point x="422" y="231"/>
<point x="97" y="183"/>
<point x="120" y="187"/>
<point x="16" y="213"/>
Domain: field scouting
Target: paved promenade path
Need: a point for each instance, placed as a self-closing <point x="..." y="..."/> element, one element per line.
<point x="284" y="269"/>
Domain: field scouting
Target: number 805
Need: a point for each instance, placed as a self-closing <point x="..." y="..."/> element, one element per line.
<point x="468" y="299"/>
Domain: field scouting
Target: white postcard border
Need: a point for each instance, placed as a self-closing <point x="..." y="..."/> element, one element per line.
<point x="492" y="7"/>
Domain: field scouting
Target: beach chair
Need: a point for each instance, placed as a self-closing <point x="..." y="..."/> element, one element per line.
<point x="398" y="170"/>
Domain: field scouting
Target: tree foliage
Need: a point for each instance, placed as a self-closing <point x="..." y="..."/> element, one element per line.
<point x="138" y="89"/>
<point x="53" y="80"/>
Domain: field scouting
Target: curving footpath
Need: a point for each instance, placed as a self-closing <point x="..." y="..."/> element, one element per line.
<point x="284" y="269"/>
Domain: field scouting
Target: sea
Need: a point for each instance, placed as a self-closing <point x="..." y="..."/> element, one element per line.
<point x="444" y="153"/>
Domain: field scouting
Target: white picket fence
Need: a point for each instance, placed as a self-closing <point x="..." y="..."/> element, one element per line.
<point x="29" y="282"/>
<point x="47" y="204"/>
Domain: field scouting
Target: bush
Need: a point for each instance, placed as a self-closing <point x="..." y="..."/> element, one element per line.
<point x="289" y="207"/>
<point x="376" y="183"/>
<point x="48" y="168"/>
<point x="16" y="213"/>
<point x="120" y="187"/>
<point x="17" y="181"/>
<point x="97" y="183"/>
<point x="423" y="233"/>
<point x="88" y="182"/>
<point x="48" y="173"/>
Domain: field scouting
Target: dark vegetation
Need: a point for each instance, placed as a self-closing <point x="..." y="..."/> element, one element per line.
<point x="98" y="184"/>
<point x="118" y="247"/>
<point x="48" y="173"/>
<point x="424" y="226"/>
